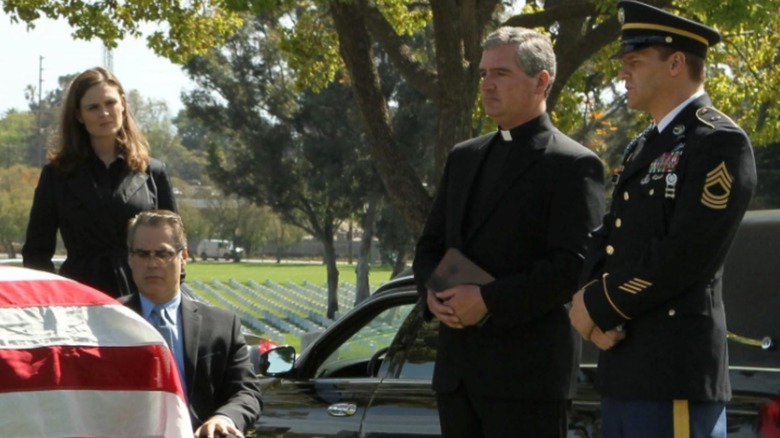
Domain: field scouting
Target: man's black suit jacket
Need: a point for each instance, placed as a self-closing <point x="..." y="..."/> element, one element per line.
<point x="219" y="376"/>
<point x="531" y="237"/>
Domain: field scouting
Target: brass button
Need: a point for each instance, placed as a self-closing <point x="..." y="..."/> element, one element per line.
<point x="610" y="249"/>
<point x="672" y="312"/>
<point x="618" y="223"/>
<point x="625" y="196"/>
<point x="652" y="191"/>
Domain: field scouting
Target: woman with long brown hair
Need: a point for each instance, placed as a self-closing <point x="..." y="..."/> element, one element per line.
<point x="99" y="176"/>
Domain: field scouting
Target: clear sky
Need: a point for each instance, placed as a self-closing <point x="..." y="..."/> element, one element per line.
<point x="136" y="66"/>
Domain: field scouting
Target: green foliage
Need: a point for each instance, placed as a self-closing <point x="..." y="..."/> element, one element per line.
<point x="278" y="148"/>
<point x="17" y="130"/>
<point x="311" y="49"/>
<point x="195" y="223"/>
<point x="17" y="184"/>
<point x="164" y="143"/>
<point x="407" y="17"/>
<point x="745" y="83"/>
<point x="190" y="27"/>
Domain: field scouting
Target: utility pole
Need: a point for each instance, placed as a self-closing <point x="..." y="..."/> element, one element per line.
<point x="108" y="58"/>
<point x="41" y="139"/>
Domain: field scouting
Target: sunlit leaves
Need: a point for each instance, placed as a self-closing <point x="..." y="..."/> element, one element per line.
<point x="407" y="17"/>
<point x="311" y="47"/>
<point x="187" y="27"/>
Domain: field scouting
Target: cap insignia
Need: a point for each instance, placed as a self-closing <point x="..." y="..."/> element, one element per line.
<point x="621" y="16"/>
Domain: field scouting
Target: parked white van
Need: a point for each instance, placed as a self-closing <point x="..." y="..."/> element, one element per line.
<point x="218" y="248"/>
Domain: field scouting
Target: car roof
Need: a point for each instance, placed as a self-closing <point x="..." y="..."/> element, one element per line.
<point x="402" y="281"/>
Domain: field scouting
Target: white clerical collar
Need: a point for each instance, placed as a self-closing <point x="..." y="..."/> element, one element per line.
<point x="673" y="113"/>
<point x="506" y="135"/>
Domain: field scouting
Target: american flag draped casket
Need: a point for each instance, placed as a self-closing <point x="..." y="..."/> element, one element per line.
<point x="76" y="363"/>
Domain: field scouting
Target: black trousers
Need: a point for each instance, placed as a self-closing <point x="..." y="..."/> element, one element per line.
<point x="466" y="415"/>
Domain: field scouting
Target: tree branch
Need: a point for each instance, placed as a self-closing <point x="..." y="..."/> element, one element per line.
<point x="414" y="72"/>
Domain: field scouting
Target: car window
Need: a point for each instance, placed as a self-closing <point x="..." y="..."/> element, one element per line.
<point x="357" y="350"/>
<point x="421" y="354"/>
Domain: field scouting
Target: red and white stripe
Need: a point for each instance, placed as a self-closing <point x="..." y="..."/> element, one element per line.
<point x="76" y="363"/>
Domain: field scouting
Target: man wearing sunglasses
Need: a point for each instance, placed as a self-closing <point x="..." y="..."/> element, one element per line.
<point x="211" y="354"/>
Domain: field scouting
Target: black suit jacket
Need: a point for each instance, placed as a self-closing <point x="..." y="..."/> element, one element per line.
<point x="531" y="237"/>
<point x="656" y="263"/>
<point x="94" y="235"/>
<point x="219" y="376"/>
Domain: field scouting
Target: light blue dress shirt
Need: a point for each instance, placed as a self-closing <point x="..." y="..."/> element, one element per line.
<point x="173" y="308"/>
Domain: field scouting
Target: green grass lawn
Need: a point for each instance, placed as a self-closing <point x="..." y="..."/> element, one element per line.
<point x="279" y="273"/>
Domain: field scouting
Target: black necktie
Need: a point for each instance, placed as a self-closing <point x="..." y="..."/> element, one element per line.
<point x="647" y="136"/>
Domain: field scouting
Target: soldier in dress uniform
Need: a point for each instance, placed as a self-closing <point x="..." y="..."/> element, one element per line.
<point x="651" y="299"/>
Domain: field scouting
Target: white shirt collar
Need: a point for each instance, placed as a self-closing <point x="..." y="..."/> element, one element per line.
<point x="673" y="113"/>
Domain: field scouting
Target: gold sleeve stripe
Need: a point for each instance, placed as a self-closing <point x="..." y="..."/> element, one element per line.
<point x="682" y="426"/>
<point x="639" y="281"/>
<point x="630" y="288"/>
<point x="606" y="293"/>
<point x="635" y="285"/>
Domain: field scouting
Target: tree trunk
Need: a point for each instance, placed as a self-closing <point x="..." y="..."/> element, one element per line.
<point x="399" y="264"/>
<point x="349" y="242"/>
<point x="364" y="258"/>
<point x="333" y="275"/>
<point x="458" y="29"/>
<point x="280" y="245"/>
<point x="403" y="185"/>
<point x="9" y="248"/>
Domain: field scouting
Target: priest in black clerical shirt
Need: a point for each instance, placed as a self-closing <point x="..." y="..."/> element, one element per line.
<point x="519" y="203"/>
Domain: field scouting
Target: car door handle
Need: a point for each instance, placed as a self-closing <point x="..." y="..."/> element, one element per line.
<point x="764" y="343"/>
<point x="342" y="409"/>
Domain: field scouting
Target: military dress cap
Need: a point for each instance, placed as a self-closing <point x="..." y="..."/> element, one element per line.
<point x="643" y="25"/>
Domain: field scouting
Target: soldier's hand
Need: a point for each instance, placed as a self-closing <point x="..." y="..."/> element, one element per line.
<point x="579" y="316"/>
<point x="608" y="339"/>
<point x="442" y="311"/>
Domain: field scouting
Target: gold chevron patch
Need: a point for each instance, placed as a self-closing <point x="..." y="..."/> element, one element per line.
<point x="717" y="187"/>
<point x="635" y="286"/>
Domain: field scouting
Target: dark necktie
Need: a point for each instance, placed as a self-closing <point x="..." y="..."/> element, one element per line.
<point x="647" y="136"/>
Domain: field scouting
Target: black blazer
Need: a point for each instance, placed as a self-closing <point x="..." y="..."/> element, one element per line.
<point x="531" y="237"/>
<point x="219" y="376"/>
<point x="656" y="264"/>
<point x="94" y="236"/>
